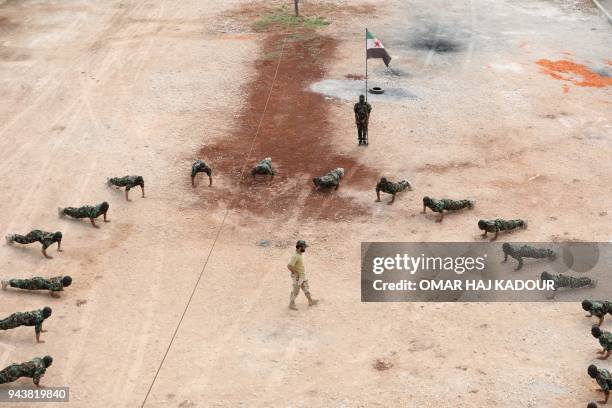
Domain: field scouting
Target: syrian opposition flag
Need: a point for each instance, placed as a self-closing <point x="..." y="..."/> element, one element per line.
<point x="375" y="49"/>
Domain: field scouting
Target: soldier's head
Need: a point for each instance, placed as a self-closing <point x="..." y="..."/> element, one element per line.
<point x="506" y="247"/>
<point x="482" y="224"/>
<point x="315" y="181"/>
<point x="46" y="311"/>
<point x="340" y="171"/>
<point x="545" y="276"/>
<point x="66" y="281"/>
<point x="48" y="360"/>
<point x="362" y="98"/>
<point x="595" y="331"/>
<point x="427" y="201"/>
<point x="104" y="207"/>
<point x="57" y="237"/>
<point x="591" y="405"/>
<point x="592" y="370"/>
<point x="301" y="246"/>
<point x="140" y="181"/>
<point x="587" y="305"/>
<point x="268" y="159"/>
<point x="383" y="179"/>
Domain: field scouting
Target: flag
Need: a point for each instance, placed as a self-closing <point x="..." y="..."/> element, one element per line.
<point x="375" y="49"/>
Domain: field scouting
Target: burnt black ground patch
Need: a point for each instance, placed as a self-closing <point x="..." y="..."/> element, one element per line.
<point x="436" y="44"/>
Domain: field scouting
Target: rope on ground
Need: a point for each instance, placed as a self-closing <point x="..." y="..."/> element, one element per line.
<point x="195" y="287"/>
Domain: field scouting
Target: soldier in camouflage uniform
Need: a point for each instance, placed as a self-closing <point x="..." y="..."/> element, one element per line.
<point x="128" y="182"/>
<point x="45" y="238"/>
<point x="500" y="225"/>
<point x="443" y="204"/>
<point x="87" y="211"/>
<point x="34" y="318"/>
<point x="200" y="166"/>
<point x="605" y="340"/>
<point x="362" y="111"/>
<point x="53" y="285"/>
<point x="391" y="187"/>
<point x="597" y="308"/>
<point x="331" y="179"/>
<point x="263" y="167"/>
<point x="603" y="378"/>
<point x="33" y="369"/>
<point x="526" y="251"/>
<point x="563" y="281"/>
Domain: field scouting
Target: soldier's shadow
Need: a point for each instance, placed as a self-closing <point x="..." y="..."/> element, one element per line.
<point x="30" y="251"/>
<point x="19" y="293"/>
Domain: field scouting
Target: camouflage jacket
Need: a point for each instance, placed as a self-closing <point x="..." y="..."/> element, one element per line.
<point x="391" y="187"/>
<point x="263" y="167"/>
<point x="45" y="238"/>
<point x="38" y="283"/>
<point x="606" y="340"/>
<point x="604" y="379"/>
<point x="34" y="369"/>
<point x="128" y="182"/>
<point x="200" y="166"/>
<point x="34" y="318"/>
<point x="331" y="179"/>
<point x="600" y="308"/>
<point x="362" y="112"/>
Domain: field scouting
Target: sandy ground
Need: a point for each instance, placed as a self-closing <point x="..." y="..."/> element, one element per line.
<point x="92" y="90"/>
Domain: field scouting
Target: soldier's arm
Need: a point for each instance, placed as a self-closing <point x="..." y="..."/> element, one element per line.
<point x="105" y="220"/>
<point x="127" y="198"/>
<point x="93" y="222"/>
<point x="441" y="216"/>
<point x="377" y="194"/>
<point x="495" y="236"/>
<point x="143" y="194"/>
<point x="44" y="252"/>
<point x="210" y="180"/>
<point x="54" y="293"/>
<point x="520" y="263"/>
<point x="38" y="329"/>
<point x="601" y="319"/>
<point x="505" y="257"/>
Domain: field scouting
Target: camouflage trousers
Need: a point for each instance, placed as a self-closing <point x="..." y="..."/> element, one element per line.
<point x="362" y="131"/>
<point x="29" y="284"/>
<point x="572" y="282"/>
<point x="10" y="373"/>
<point x="296" y="285"/>
<point x="10" y="323"/>
<point x="25" y="239"/>
<point x="76" y="212"/>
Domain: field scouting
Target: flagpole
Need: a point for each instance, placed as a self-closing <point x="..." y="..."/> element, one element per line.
<point x="366" y="64"/>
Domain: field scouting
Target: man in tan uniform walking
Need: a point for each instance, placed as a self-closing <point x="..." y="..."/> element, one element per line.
<point x="298" y="275"/>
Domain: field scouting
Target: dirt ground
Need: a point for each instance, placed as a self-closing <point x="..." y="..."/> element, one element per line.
<point x="181" y="300"/>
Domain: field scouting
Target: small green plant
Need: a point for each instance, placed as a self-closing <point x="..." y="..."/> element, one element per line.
<point x="283" y="17"/>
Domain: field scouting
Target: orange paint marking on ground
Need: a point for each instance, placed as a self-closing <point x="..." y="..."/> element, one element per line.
<point x="578" y="74"/>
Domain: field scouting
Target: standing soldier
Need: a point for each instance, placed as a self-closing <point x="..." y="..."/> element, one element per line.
<point x="298" y="276"/>
<point x="45" y="238"/>
<point x="33" y="369"/>
<point x="53" y="285"/>
<point x="362" y="111"/>
<point x="603" y="378"/>
<point x="87" y="211"/>
<point x="128" y="182"/>
<point x="34" y="318"/>
<point x="200" y="166"/>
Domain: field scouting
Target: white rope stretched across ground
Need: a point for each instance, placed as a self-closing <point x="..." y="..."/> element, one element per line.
<point x="195" y="287"/>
